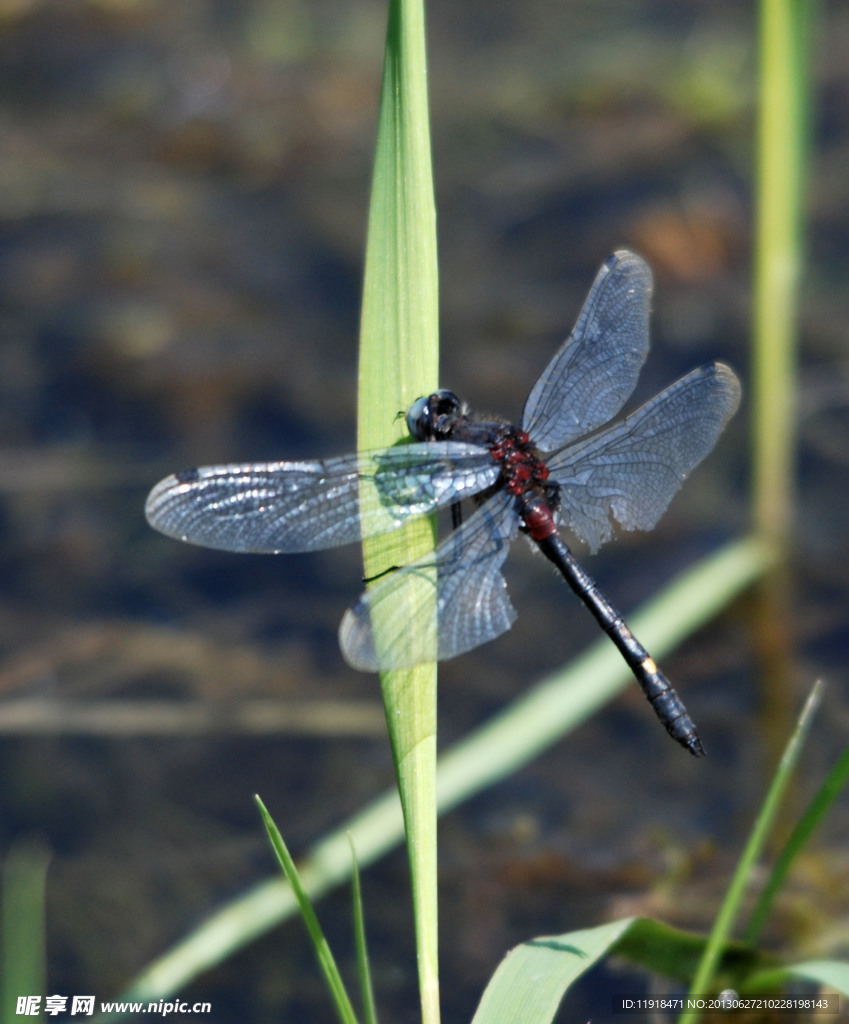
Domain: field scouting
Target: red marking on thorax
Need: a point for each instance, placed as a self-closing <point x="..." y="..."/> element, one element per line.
<point x="525" y="474"/>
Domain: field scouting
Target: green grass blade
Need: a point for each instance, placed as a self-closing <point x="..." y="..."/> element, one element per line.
<point x="833" y="786"/>
<point x="322" y="949"/>
<point x="785" y="32"/>
<point x="399" y="362"/>
<point x="829" y="973"/>
<point x="366" y="986"/>
<point x="22" y="966"/>
<point x="721" y="931"/>
<point x="674" y="953"/>
<point x="834" y="973"/>
<point x="532" y="979"/>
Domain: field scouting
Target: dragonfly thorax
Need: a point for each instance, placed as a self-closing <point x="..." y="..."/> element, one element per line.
<point x="525" y="474"/>
<point x="522" y="468"/>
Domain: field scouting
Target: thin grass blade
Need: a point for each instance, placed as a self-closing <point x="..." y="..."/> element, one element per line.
<point x="22" y="965"/>
<point x="824" y="799"/>
<point x="322" y="949"/>
<point x="731" y="905"/>
<point x="363" y="968"/>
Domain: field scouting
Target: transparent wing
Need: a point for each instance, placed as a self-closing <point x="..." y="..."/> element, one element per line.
<point x="448" y="602"/>
<point x="595" y="370"/>
<point x="632" y="470"/>
<point x="303" y="506"/>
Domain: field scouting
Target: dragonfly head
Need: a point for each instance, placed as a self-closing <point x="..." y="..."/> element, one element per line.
<point x="434" y="417"/>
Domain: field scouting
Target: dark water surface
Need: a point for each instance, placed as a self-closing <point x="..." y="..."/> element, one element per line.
<point x="183" y="203"/>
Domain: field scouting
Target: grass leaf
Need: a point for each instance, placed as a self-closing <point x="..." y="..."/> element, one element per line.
<point x="399" y="362"/>
<point x="322" y="949"/>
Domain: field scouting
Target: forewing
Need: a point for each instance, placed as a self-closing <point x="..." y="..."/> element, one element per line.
<point x="303" y="506"/>
<point x="632" y="470"/>
<point x="596" y="369"/>
<point x="448" y="602"/>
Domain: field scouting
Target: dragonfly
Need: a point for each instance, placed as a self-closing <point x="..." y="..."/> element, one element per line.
<point x="565" y="464"/>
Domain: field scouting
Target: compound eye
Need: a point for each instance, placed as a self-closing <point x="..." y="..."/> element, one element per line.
<point x="419" y="419"/>
<point x="434" y="417"/>
<point x="446" y="412"/>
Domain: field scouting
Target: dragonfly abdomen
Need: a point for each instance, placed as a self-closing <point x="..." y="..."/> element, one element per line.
<point x="660" y="693"/>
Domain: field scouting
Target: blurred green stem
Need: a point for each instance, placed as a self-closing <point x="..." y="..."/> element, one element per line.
<point x="22" y="925"/>
<point x="785" y="34"/>
<point x="784" y="47"/>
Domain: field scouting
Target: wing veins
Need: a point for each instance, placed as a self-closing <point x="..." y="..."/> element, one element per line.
<point x="305" y="506"/>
